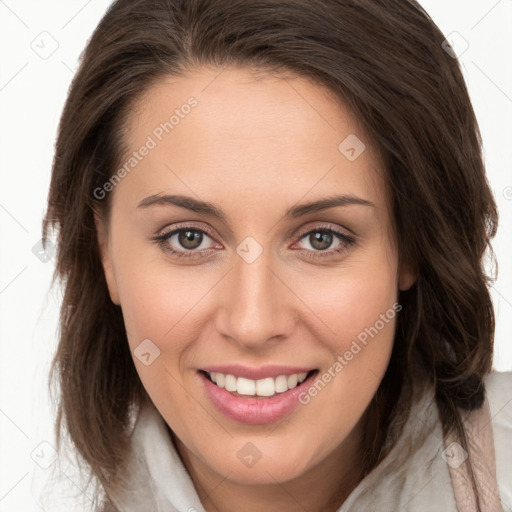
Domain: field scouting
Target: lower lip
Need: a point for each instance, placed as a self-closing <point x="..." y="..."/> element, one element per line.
<point x="255" y="410"/>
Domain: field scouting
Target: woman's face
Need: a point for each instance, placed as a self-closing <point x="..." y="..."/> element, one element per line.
<point x="224" y="259"/>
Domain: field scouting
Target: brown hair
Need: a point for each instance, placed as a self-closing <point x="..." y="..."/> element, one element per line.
<point x="386" y="61"/>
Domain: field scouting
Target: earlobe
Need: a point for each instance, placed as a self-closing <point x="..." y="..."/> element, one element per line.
<point x="106" y="260"/>
<point x="406" y="279"/>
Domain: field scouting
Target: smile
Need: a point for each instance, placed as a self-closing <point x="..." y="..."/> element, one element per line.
<point x="255" y="396"/>
<point x="263" y="387"/>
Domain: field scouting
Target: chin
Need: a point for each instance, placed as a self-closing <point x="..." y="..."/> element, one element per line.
<point x="265" y="466"/>
<point x="262" y="473"/>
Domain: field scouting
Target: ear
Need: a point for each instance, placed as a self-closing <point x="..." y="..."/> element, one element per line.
<point x="407" y="277"/>
<point x="106" y="259"/>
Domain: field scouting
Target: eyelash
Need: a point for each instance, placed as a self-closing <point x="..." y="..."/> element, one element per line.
<point x="162" y="241"/>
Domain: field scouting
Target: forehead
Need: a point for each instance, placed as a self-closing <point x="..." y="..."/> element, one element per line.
<point x="229" y="129"/>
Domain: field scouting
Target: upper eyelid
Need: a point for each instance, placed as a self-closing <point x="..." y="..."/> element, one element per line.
<point x="320" y="227"/>
<point x="183" y="227"/>
<point x="167" y="230"/>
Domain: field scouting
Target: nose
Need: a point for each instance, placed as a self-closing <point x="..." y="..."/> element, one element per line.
<point x="255" y="305"/>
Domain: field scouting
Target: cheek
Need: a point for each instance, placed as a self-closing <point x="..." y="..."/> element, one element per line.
<point x="358" y="308"/>
<point x="158" y="305"/>
<point x="352" y="299"/>
<point x="165" y="304"/>
<point x="360" y="353"/>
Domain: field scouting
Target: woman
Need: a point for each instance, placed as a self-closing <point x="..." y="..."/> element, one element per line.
<point x="271" y="222"/>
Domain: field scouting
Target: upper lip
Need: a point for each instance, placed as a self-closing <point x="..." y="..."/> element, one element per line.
<point x="261" y="372"/>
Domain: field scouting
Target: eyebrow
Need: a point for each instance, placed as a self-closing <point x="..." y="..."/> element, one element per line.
<point x="293" y="212"/>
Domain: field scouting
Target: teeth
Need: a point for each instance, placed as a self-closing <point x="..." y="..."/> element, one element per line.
<point x="302" y="377"/>
<point x="292" y="381"/>
<point x="281" y="384"/>
<point x="220" y="379"/>
<point x="263" y="387"/>
<point x="245" y="386"/>
<point x="230" y="383"/>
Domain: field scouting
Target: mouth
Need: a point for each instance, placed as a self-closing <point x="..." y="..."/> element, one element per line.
<point x="256" y="396"/>
<point x="263" y="388"/>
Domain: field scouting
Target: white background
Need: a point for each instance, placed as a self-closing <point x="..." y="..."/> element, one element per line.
<point x="33" y="88"/>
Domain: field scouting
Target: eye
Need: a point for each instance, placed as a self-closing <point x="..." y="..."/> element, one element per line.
<point x="323" y="237"/>
<point x="185" y="242"/>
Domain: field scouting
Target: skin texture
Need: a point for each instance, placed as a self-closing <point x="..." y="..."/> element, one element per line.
<point x="254" y="146"/>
